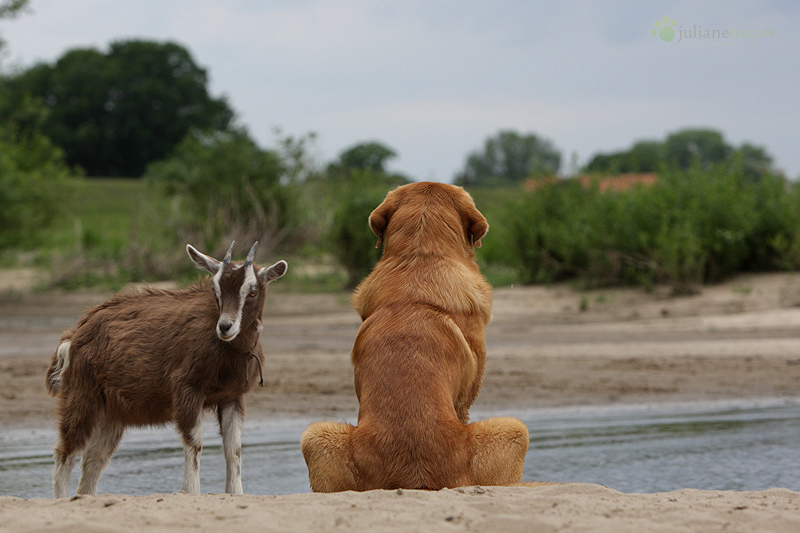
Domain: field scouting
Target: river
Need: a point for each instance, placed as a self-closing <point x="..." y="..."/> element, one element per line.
<point x="708" y="445"/>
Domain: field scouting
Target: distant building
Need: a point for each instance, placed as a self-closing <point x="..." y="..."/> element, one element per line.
<point x="620" y="182"/>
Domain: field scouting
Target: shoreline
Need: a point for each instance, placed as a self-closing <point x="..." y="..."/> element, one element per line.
<point x="546" y="347"/>
<point x="565" y="410"/>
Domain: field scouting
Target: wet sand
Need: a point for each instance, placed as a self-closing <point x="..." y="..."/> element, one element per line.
<point x="737" y="340"/>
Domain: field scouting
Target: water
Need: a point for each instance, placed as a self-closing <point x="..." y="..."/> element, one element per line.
<point x="715" y="446"/>
<point x="722" y="446"/>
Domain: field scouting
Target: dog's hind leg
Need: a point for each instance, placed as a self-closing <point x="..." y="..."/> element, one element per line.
<point x="326" y="449"/>
<point x="500" y="445"/>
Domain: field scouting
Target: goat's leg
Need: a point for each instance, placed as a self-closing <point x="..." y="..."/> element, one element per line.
<point x="104" y="441"/>
<point x="76" y="423"/>
<point x="191" y="428"/>
<point x="231" y="420"/>
<point x="62" y="473"/>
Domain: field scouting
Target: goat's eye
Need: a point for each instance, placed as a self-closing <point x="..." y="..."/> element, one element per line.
<point x="253" y="292"/>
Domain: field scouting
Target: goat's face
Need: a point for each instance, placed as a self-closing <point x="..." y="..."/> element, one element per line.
<point x="240" y="289"/>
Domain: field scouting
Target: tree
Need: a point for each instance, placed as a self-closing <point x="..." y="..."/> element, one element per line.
<point x="756" y="162"/>
<point x="681" y="150"/>
<point x="644" y="156"/>
<point x="228" y="188"/>
<point x="366" y="159"/>
<point x="33" y="175"/>
<point x="115" y="112"/>
<point x="352" y="242"/>
<point x="703" y="146"/>
<point x="367" y="156"/>
<point x="360" y="182"/>
<point x="296" y="157"/>
<point x="10" y="9"/>
<point x="509" y="157"/>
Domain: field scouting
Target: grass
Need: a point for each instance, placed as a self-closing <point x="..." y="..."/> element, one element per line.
<point x="100" y="214"/>
<point x="102" y="222"/>
<point x="102" y="218"/>
<point x="108" y="226"/>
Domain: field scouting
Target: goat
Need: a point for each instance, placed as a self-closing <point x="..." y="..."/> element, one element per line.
<point x="149" y="357"/>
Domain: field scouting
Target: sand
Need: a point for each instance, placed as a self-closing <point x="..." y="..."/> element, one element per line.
<point x="547" y="346"/>
<point x="565" y="508"/>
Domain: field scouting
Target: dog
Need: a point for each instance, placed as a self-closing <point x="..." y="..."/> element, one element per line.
<point x="419" y="358"/>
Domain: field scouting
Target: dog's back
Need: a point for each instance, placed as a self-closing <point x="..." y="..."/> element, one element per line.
<point x="411" y="366"/>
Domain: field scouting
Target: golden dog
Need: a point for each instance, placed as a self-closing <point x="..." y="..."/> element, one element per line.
<point x="419" y="359"/>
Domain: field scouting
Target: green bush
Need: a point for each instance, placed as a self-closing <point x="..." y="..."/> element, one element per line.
<point x="33" y="178"/>
<point x="562" y="231"/>
<point x="776" y="241"/>
<point x="351" y="240"/>
<point x="705" y="219"/>
<point x="227" y="188"/>
<point x="690" y="227"/>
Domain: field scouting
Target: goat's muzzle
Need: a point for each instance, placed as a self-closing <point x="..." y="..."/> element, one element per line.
<point x="225" y="331"/>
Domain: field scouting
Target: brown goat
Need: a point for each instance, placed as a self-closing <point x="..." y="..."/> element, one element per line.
<point x="149" y="357"/>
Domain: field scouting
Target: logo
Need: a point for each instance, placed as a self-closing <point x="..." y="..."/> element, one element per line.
<point x="664" y="29"/>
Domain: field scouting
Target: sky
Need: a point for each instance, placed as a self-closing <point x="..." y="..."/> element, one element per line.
<point x="433" y="79"/>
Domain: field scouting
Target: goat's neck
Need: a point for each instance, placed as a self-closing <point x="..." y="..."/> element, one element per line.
<point x="247" y="339"/>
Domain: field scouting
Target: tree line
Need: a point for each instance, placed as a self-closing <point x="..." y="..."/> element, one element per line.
<point x="142" y="109"/>
<point x="112" y="113"/>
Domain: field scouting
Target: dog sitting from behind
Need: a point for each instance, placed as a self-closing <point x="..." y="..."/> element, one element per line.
<point x="419" y="358"/>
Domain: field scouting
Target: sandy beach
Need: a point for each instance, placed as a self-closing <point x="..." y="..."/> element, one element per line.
<point x="547" y="347"/>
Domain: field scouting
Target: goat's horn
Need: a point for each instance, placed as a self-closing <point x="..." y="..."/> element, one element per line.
<point x="227" y="260"/>
<point x="251" y="255"/>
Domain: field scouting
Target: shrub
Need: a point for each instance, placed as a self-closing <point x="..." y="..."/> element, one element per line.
<point x="705" y="219"/>
<point x="564" y="230"/>
<point x="226" y="187"/>
<point x="352" y="241"/>
<point x="690" y="227"/>
<point x="33" y="176"/>
<point x="776" y="240"/>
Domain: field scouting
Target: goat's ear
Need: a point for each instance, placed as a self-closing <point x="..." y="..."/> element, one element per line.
<point x="202" y="260"/>
<point x="379" y="218"/>
<point x="268" y="274"/>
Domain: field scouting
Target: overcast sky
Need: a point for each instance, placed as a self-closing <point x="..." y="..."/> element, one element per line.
<point x="432" y="79"/>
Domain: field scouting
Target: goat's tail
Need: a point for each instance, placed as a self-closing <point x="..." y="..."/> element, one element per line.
<point x="58" y="364"/>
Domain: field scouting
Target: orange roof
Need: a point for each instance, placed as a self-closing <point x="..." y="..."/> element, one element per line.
<point x="621" y="182"/>
<point x="531" y="184"/>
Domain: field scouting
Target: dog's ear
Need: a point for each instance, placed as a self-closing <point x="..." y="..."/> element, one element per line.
<point x="379" y="219"/>
<point x="475" y="224"/>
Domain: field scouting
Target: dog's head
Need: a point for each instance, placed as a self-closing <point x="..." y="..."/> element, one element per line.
<point x="434" y="211"/>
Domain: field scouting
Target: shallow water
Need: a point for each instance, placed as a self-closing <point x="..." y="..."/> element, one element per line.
<point x="715" y="446"/>
<point x="722" y="446"/>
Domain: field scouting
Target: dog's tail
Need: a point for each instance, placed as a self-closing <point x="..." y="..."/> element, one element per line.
<point x="58" y="365"/>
